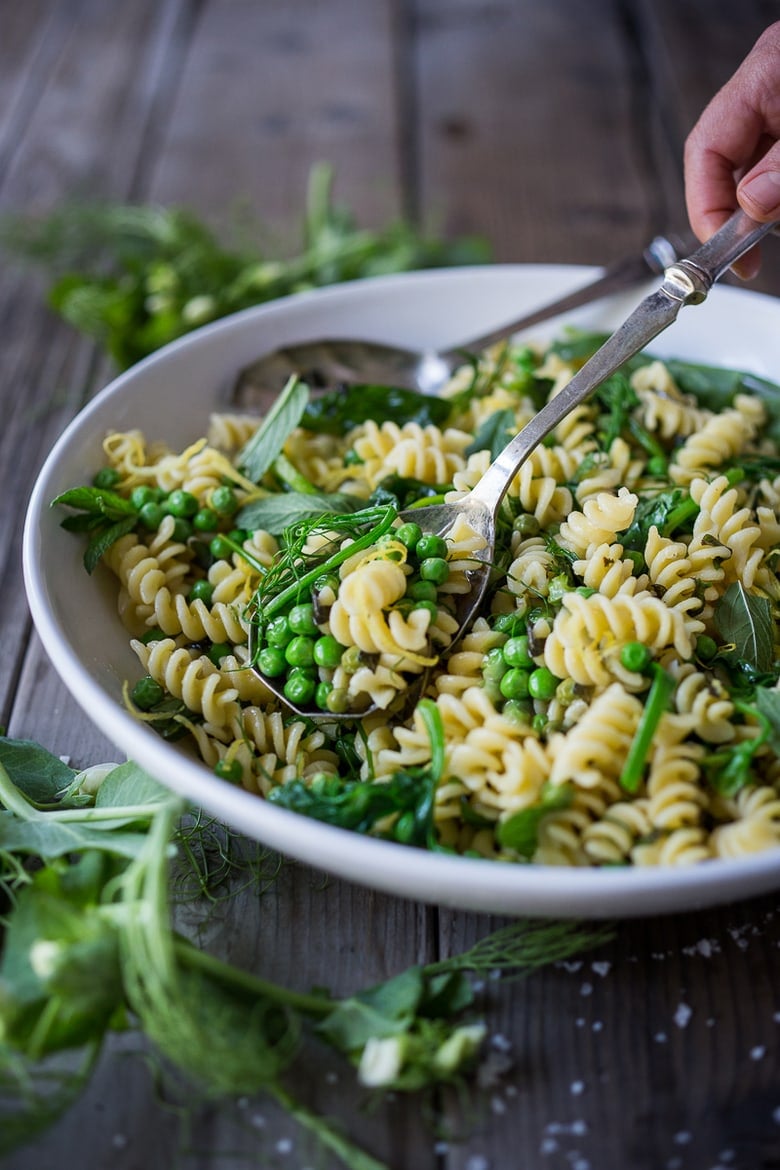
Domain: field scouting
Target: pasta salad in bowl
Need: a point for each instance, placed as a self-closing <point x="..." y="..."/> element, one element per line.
<point x="604" y="738"/>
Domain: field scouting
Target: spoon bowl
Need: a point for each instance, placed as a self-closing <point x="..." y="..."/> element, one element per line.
<point x="339" y="361"/>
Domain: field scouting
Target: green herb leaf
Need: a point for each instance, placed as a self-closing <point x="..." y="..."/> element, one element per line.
<point x="269" y="439"/>
<point x="99" y="501"/>
<point x="520" y="831"/>
<point x="744" y="621"/>
<point x="494" y="433"/>
<point x="101" y="543"/>
<point x="39" y="774"/>
<point x="275" y="513"/>
<point x="340" y="411"/>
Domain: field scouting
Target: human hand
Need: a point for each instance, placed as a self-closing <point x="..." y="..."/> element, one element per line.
<point x="732" y="155"/>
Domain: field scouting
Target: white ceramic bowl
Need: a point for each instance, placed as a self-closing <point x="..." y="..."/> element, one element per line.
<point x="170" y="396"/>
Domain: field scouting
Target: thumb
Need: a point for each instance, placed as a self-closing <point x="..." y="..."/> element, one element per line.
<point x="759" y="191"/>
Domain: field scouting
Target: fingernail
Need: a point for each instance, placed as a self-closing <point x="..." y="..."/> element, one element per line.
<point x="764" y="191"/>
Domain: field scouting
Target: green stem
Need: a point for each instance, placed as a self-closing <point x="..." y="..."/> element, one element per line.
<point x="351" y="1155"/>
<point x="291" y="477"/>
<point x="282" y="600"/>
<point x="658" y="697"/>
<point x="225" y="973"/>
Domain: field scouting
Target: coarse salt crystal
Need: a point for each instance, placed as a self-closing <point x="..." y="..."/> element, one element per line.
<point x="601" y="968"/>
<point x="683" y="1015"/>
<point x="758" y="1053"/>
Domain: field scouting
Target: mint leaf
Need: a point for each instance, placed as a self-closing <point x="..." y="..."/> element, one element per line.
<point x="275" y="513"/>
<point x="744" y="621"/>
<point x="267" y="441"/>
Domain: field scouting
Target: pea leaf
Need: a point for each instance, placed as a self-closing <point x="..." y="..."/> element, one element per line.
<point x="745" y="622"/>
<point x="275" y="513"/>
<point x="40" y="775"/>
<point x="267" y="441"/>
<point x="494" y="434"/>
<point x="128" y="784"/>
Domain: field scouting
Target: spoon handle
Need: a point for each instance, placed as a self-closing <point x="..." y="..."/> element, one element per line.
<point x="616" y="278"/>
<point x="686" y="282"/>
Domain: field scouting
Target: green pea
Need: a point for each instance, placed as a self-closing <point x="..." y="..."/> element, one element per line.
<point x="434" y="569"/>
<point x="328" y="651"/>
<point x="205" y="520"/>
<point x="219" y="548"/>
<point x="147" y="693"/>
<point x="321" y="695"/>
<point x="181" y="503"/>
<point x="182" y="529"/>
<point x="422" y="591"/>
<point x="228" y="770"/>
<point x="510" y="623"/>
<point x="271" y="661"/>
<point x="526" y="525"/>
<point x="224" y="500"/>
<point x="278" y="632"/>
<point x="404" y="827"/>
<point x="635" y="656"/>
<point x="144" y="494"/>
<point x="409" y="535"/>
<point x="338" y="700"/>
<point x="352" y="659"/>
<point x="239" y="535"/>
<point x="431" y="606"/>
<point x="326" y="581"/>
<point x="516" y="652"/>
<point x="218" y="651"/>
<point x="352" y="459"/>
<point x="657" y="465"/>
<point x="151" y="515"/>
<point x="431" y="546"/>
<point x="301" y="619"/>
<point x="299" y="689"/>
<point x="106" y="477"/>
<point x="494" y="665"/>
<point x="706" y="647"/>
<point x="515" y="684"/>
<point x="539" y="723"/>
<point x="517" y="710"/>
<point x="201" y="591"/>
<point x="542" y="683"/>
<point x="299" y="651"/>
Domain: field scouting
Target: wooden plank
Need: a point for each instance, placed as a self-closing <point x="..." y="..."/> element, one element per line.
<point x="270" y="89"/>
<point x="524" y="134"/>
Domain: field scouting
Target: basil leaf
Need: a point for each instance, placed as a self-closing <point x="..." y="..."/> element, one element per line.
<point x="745" y="621"/>
<point x="275" y="513"/>
<point x="494" y="434"/>
<point x="267" y="441"/>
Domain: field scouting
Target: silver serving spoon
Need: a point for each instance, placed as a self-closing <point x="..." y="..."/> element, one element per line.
<point x="686" y="282"/>
<point x="336" y="361"/>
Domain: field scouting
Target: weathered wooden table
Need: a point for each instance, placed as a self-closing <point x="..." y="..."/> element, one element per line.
<point x="555" y="130"/>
